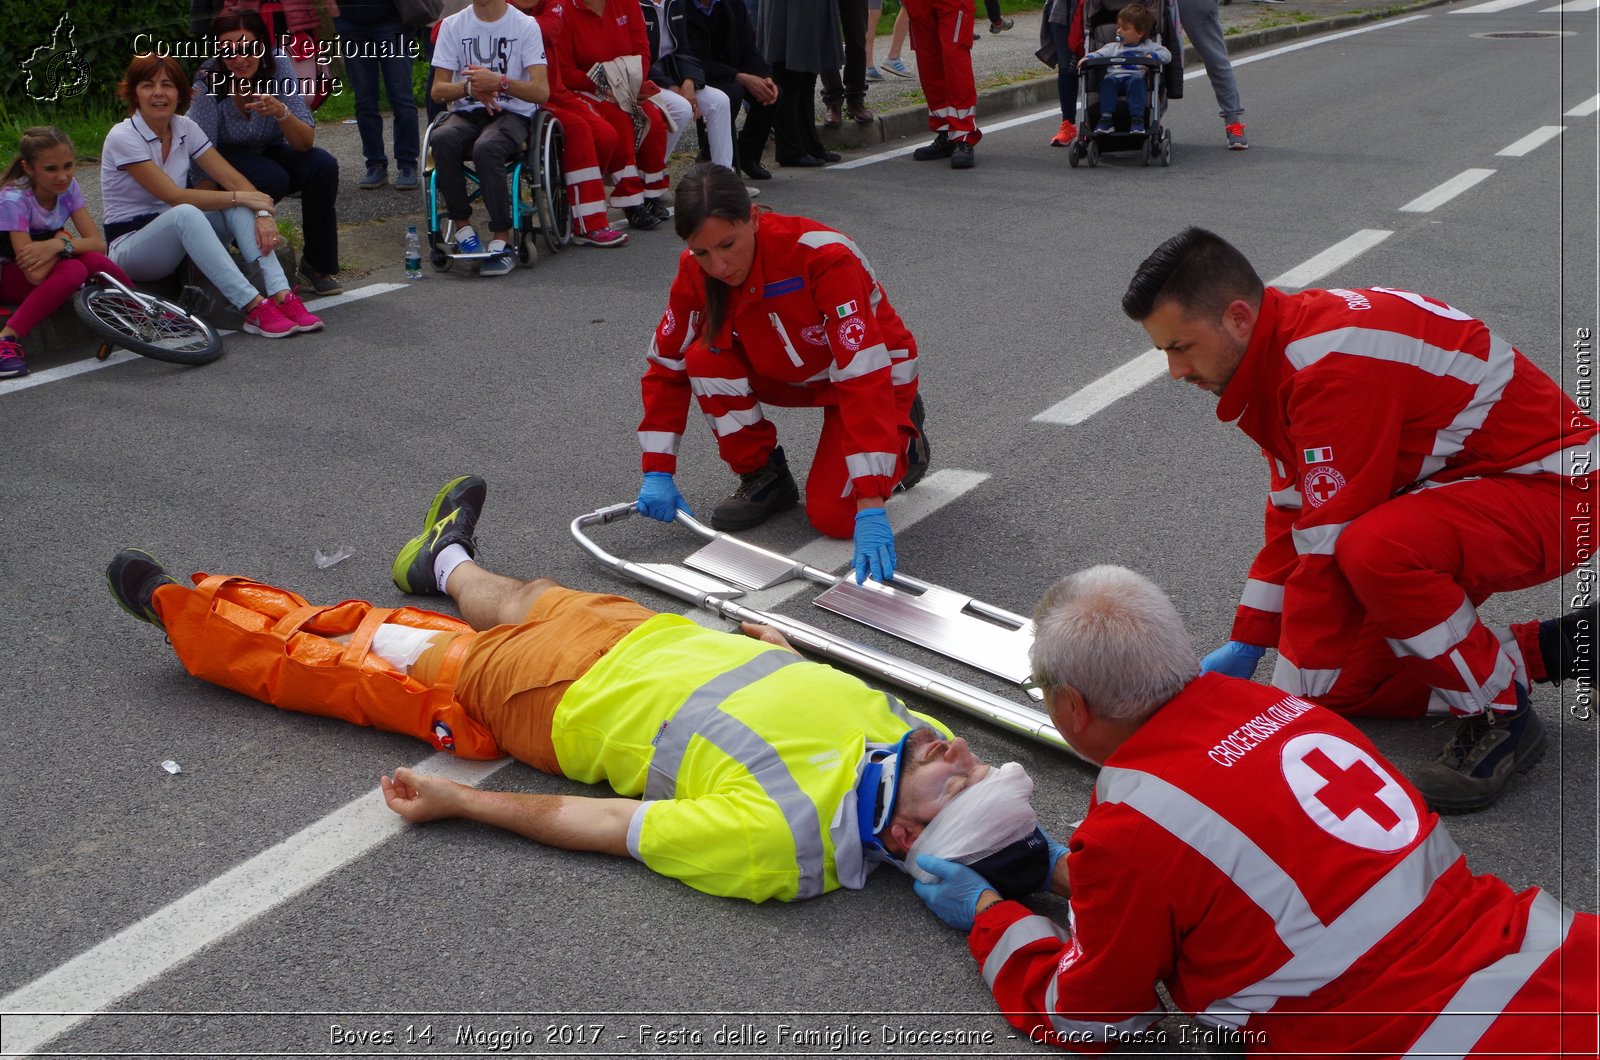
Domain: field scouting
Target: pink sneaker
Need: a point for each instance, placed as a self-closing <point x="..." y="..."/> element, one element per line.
<point x="267" y="320"/>
<point x="600" y="237"/>
<point x="295" y="310"/>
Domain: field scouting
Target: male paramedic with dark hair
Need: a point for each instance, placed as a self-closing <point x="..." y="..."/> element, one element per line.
<point x="1418" y="464"/>
<point x="762" y="775"/>
<point x="1257" y="855"/>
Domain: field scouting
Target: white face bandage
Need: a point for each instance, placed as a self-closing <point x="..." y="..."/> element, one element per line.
<point x="400" y="646"/>
<point x="988" y="816"/>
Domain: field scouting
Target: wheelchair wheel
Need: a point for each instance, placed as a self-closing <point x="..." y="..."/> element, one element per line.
<point x="549" y="182"/>
<point x="147" y="325"/>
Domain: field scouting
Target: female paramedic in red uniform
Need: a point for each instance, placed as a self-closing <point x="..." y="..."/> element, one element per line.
<point x="786" y="311"/>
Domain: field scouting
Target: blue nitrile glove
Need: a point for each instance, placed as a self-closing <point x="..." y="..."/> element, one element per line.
<point x="659" y="497"/>
<point x="1058" y="850"/>
<point x="1233" y="659"/>
<point x="874" y="545"/>
<point x="954" y="899"/>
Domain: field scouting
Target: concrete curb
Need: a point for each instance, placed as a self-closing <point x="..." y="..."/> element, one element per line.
<point x="908" y="122"/>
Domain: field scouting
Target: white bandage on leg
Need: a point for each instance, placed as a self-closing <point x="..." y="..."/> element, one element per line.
<point x="400" y="646"/>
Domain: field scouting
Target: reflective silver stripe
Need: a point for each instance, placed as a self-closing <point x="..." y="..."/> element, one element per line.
<point x="636" y="831"/>
<point x="788" y="347"/>
<point x="955" y="37"/>
<point x="1451" y="701"/>
<point x="705" y="387"/>
<point x="863" y="363"/>
<point x="731" y="422"/>
<point x="1486" y="992"/>
<point x="1297" y="682"/>
<point x="660" y="442"/>
<point x="898" y="709"/>
<point x="1432" y="643"/>
<point x="818" y="240"/>
<point x="586" y="209"/>
<point x="819" y="377"/>
<point x="1571" y="462"/>
<point x="1480" y="696"/>
<point x="1501" y="363"/>
<point x="702" y="716"/>
<point x="578" y="176"/>
<point x="1102" y="1030"/>
<point x="1317" y="540"/>
<point x="654" y="354"/>
<point x="860" y="465"/>
<point x="1394" y="346"/>
<point x="1286" y="498"/>
<point x="1349" y="938"/>
<point x="1024" y="932"/>
<point x="1263" y="596"/>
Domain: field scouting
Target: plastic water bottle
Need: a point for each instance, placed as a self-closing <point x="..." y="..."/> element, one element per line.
<point x="413" y="254"/>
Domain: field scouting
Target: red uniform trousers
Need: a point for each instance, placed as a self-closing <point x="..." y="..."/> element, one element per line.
<point x="590" y="148"/>
<point x="747" y="448"/>
<point x="643" y="172"/>
<point x="1419" y="565"/>
<point x="941" y="35"/>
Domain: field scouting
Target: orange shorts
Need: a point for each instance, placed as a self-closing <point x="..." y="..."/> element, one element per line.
<point x="513" y="676"/>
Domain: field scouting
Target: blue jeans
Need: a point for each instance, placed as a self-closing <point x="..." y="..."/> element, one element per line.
<point x="383" y="51"/>
<point x="1130" y="88"/>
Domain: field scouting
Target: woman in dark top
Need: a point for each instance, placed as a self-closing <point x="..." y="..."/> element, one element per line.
<point x="247" y="100"/>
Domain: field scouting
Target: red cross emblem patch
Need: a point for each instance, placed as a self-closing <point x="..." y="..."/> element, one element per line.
<point x="1348" y="793"/>
<point x="1320" y="484"/>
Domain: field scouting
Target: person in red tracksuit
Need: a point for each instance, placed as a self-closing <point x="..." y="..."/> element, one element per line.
<point x="786" y="311"/>
<point x="1257" y="855"/>
<point x="941" y="35"/>
<point x="595" y="31"/>
<point x="1418" y="464"/>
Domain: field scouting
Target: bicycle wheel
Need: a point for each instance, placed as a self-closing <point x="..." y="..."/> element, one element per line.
<point x="164" y="331"/>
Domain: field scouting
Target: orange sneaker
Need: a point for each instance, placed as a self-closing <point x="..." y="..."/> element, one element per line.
<point x="1064" y="135"/>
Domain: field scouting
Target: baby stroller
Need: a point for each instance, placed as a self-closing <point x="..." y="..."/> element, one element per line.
<point x="1095" y="23"/>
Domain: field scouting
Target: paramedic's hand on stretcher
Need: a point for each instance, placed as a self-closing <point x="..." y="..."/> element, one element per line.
<point x="420" y="797"/>
<point x="957" y="897"/>
<point x="659" y="497"/>
<point x="874" y="546"/>
<point x="1233" y="659"/>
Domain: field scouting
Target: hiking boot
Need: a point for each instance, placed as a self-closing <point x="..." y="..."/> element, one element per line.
<point x="1237" y="141"/>
<point x="133" y="578"/>
<point x="942" y="147"/>
<point x="1568" y="644"/>
<point x="450" y="521"/>
<point x="1486" y="751"/>
<point x="662" y="211"/>
<point x="858" y="112"/>
<point x="762" y="493"/>
<point x="962" y="157"/>
<point x="832" y="118"/>
<point x="918" y="451"/>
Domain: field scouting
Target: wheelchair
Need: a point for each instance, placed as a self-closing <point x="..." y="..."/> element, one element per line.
<point x="539" y="207"/>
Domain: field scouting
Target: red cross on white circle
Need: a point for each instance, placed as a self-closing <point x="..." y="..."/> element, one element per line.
<point x="1348" y="793"/>
<point x="1321" y="484"/>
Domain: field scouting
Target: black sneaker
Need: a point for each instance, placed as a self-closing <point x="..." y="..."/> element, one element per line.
<point x="961" y="156"/>
<point x="918" y="451"/>
<point x="642" y="217"/>
<point x="450" y="521"/>
<point x="942" y="147"/>
<point x="133" y="578"/>
<point x="1569" y="644"/>
<point x="762" y="493"/>
<point x="662" y="211"/>
<point x="1486" y="751"/>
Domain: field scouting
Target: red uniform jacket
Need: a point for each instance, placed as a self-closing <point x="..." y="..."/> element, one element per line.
<point x="811" y="326"/>
<point x="1257" y="854"/>
<point x="588" y="38"/>
<point x="1354" y="398"/>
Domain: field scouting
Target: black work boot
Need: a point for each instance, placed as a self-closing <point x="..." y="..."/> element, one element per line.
<point x="918" y="451"/>
<point x="1569" y="644"/>
<point x="1486" y="751"/>
<point x="764" y="492"/>
<point x="942" y="147"/>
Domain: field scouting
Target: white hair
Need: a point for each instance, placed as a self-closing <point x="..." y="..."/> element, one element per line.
<point x="1114" y="636"/>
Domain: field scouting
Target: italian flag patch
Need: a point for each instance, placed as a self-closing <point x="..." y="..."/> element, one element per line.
<point x="1319" y="456"/>
<point x="846" y="310"/>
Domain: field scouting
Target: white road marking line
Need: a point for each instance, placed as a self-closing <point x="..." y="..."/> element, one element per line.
<point x="1584" y="109"/>
<point x="1491" y="7"/>
<point x="91" y="364"/>
<point x="1540" y="136"/>
<point x="1457" y="184"/>
<point x="98" y="977"/>
<point x="1571" y="7"/>
<point x="932" y="493"/>
<point x="1152" y="364"/>
<point x="1055" y="112"/>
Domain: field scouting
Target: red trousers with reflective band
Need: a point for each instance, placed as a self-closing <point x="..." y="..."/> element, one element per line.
<point x="590" y="150"/>
<point x="941" y="35"/>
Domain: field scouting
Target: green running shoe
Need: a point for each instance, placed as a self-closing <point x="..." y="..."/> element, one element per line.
<point x="133" y="578"/>
<point x="451" y="520"/>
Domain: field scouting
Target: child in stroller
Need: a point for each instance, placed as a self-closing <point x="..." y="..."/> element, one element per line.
<point x="1129" y="66"/>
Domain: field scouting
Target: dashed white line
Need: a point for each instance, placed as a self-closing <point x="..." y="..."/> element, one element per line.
<point x="1584" y="109"/>
<point x="1570" y="7"/>
<point x="1540" y="136"/>
<point x="133" y="957"/>
<point x="1336" y="256"/>
<point x="1432" y="200"/>
<point x="1491" y="7"/>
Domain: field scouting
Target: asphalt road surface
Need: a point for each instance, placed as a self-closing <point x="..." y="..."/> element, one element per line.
<point x="162" y="910"/>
